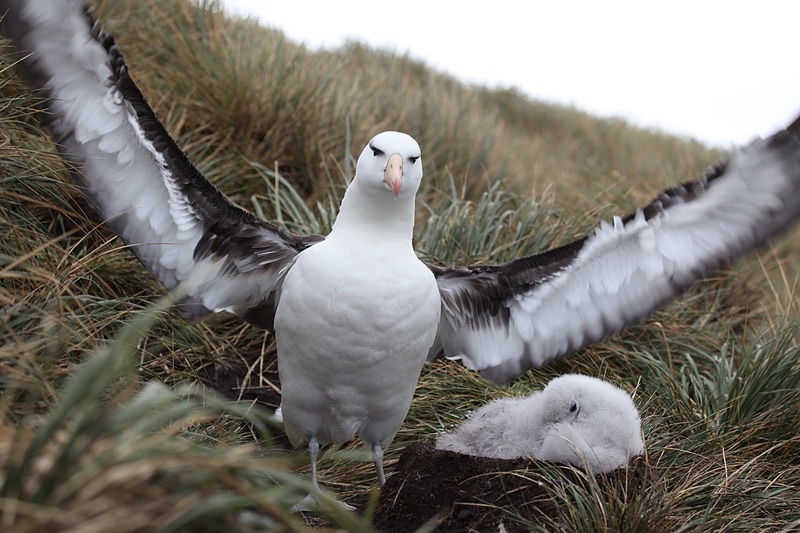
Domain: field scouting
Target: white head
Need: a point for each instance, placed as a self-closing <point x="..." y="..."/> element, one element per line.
<point x="586" y="421"/>
<point x="379" y="202"/>
<point x="390" y="163"/>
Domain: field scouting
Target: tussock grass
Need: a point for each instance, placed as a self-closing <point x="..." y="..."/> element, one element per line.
<point x="87" y="437"/>
<point x="112" y="454"/>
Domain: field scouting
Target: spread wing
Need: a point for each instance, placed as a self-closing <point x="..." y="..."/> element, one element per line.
<point x="177" y="223"/>
<point x="505" y="319"/>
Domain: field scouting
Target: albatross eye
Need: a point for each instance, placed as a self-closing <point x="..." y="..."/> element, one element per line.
<point x="376" y="151"/>
<point x="573" y="408"/>
<point x="413" y="159"/>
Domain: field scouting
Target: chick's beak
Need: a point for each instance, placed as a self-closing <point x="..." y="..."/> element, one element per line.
<point x="393" y="173"/>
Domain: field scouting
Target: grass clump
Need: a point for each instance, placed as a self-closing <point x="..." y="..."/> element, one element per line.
<point x="113" y="453"/>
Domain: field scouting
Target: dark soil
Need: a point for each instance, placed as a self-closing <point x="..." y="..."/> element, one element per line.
<point x="464" y="493"/>
<point x="232" y="380"/>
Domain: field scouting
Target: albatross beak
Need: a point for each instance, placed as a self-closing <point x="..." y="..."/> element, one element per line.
<point x="393" y="173"/>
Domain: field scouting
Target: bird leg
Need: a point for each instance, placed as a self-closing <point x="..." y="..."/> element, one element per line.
<point x="313" y="452"/>
<point x="377" y="456"/>
<point x="311" y="502"/>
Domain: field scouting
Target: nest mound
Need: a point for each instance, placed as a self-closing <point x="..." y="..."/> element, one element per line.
<point x="462" y="493"/>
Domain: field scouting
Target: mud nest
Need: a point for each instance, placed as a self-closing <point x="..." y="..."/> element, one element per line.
<point x="462" y="493"/>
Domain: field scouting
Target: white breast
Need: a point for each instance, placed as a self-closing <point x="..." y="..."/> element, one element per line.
<point x="353" y="331"/>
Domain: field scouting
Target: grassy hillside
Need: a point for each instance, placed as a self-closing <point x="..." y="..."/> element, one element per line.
<point x="715" y="374"/>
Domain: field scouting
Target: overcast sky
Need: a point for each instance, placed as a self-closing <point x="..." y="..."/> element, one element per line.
<point x="720" y="71"/>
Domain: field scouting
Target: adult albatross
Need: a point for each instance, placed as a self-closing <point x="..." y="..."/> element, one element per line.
<point x="355" y="313"/>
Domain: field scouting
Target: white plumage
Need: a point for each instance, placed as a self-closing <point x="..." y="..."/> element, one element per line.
<point x="369" y="309"/>
<point x="575" y="419"/>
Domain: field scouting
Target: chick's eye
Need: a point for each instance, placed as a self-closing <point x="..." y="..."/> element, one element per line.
<point x="573" y="407"/>
<point x="376" y="151"/>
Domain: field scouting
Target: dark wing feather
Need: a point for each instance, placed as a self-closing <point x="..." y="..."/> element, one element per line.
<point x="178" y="224"/>
<point x="505" y="319"/>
